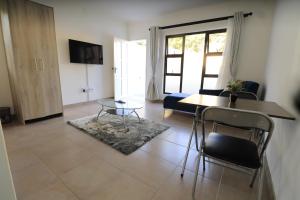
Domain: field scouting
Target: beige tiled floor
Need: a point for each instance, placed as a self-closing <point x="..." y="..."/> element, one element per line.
<point x="52" y="160"/>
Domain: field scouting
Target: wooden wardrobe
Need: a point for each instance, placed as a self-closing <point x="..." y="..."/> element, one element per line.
<point x="30" y="44"/>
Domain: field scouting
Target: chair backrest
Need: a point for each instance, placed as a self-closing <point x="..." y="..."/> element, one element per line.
<point x="241" y="94"/>
<point x="210" y="92"/>
<point x="247" y="95"/>
<point x="238" y="118"/>
<point x="225" y="93"/>
<point x="250" y="86"/>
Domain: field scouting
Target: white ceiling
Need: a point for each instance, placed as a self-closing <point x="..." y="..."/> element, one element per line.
<point x="138" y="10"/>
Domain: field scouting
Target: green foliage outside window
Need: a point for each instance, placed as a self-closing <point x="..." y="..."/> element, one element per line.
<point x="196" y="41"/>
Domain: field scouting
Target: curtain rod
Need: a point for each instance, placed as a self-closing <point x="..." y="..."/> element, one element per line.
<point x="201" y="21"/>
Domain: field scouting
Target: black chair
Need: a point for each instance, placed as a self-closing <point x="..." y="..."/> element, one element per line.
<point x="233" y="150"/>
<point x="241" y="94"/>
<point x="250" y="86"/>
<point x="210" y="92"/>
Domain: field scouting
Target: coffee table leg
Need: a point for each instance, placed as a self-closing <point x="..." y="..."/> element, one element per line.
<point x="99" y="113"/>
<point x="137" y="115"/>
<point x="123" y="116"/>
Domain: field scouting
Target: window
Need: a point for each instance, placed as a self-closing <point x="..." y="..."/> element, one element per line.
<point x="193" y="60"/>
<point x="174" y="63"/>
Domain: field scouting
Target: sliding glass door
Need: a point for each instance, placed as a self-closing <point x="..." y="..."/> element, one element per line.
<point x="192" y="61"/>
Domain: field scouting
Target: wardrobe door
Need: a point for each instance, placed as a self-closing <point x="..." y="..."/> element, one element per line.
<point x="51" y="78"/>
<point x="27" y="79"/>
<point x="45" y="46"/>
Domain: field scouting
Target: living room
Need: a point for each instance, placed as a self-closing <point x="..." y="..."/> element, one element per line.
<point x="125" y="125"/>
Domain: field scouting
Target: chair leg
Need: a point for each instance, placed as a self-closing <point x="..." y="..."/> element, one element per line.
<point x="214" y="127"/>
<point x="188" y="149"/>
<point x="196" y="173"/>
<point x="251" y="134"/>
<point x="203" y="158"/>
<point x="196" y="139"/>
<point x="253" y="178"/>
<point x="261" y="181"/>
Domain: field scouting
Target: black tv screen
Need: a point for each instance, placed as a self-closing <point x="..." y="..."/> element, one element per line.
<point x="83" y="52"/>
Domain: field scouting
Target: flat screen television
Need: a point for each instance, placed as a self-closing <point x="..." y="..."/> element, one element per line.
<point x="86" y="53"/>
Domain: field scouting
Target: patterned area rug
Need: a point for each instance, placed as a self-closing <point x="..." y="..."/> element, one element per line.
<point x="110" y="129"/>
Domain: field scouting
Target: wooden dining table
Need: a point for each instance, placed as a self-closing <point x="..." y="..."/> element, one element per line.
<point x="267" y="107"/>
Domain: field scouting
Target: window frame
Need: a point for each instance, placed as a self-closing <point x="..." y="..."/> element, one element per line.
<point x="181" y="56"/>
<point x="206" y="54"/>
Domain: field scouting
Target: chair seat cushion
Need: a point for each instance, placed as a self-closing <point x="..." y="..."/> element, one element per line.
<point x="231" y="149"/>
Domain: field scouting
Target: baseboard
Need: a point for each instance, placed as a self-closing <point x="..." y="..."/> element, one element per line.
<point x="155" y="101"/>
<point x="43" y="118"/>
<point x="94" y="101"/>
<point x="80" y="103"/>
<point x="268" y="183"/>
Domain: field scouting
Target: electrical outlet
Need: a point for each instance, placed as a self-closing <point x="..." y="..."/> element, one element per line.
<point x="86" y="90"/>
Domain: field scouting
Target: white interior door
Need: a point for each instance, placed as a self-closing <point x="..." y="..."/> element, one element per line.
<point x="120" y="68"/>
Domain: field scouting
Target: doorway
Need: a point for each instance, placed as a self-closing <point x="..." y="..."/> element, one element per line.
<point x="137" y="69"/>
<point x="129" y="69"/>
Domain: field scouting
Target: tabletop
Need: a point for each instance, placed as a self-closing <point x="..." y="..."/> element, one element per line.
<point x="124" y="104"/>
<point x="270" y="108"/>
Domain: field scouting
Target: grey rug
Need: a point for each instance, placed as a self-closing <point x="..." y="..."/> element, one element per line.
<point x="110" y="130"/>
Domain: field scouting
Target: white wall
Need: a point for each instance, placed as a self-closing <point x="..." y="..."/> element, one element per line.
<point x="81" y="21"/>
<point x="255" y="41"/>
<point x="5" y="93"/>
<point x="91" y="23"/>
<point x="282" y="75"/>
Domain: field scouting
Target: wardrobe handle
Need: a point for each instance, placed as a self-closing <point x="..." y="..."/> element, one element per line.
<point x="43" y="64"/>
<point x="35" y="64"/>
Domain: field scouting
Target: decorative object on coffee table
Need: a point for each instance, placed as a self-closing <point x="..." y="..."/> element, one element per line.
<point x="110" y="130"/>
<point x="234" y="86"/>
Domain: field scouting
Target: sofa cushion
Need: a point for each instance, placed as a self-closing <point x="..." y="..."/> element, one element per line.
<point x="179" y="95"/>
<point x="171" y="101"/>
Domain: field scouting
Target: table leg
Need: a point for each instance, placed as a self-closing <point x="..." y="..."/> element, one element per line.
<point x="123" y="117"/>
<point x="137" y="116"/>
<point x="194" y="131"/>
<point x="188" y="150"/>
<point x="99" y="113"/>
<point x="196" y="126"/>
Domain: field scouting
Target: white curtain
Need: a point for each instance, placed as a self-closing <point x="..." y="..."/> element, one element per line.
<point x="153" y="90"/>
<point x="229" y="66"/>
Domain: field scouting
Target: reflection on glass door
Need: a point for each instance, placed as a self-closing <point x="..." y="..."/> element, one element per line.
<point x="192" y="61"/>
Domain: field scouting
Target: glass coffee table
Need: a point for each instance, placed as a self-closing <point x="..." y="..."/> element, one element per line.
<point x="123" y="108"/>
